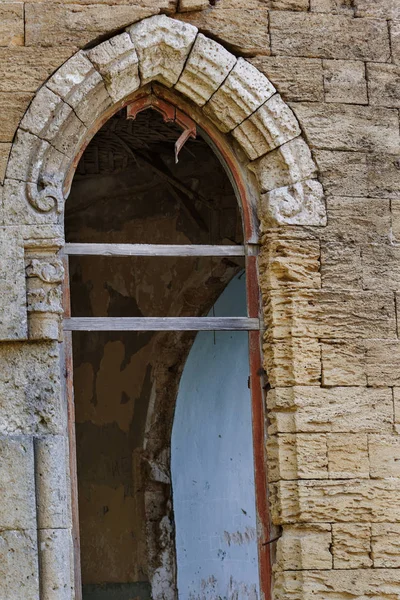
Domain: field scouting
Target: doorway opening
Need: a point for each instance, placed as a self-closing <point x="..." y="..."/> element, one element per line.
<point x="142" y="391"/>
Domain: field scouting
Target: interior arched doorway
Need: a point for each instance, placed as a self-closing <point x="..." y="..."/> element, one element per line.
<point x="252" y="129"/>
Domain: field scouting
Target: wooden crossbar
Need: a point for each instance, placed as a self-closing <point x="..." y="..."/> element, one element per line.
<point x="151" y="250"/>
<point x="161" y="324"/>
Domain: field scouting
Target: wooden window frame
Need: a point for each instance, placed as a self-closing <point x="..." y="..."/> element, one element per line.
<point x="252" y="323"/>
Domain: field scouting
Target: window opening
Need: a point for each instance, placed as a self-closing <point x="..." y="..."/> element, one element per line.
<point x="128" y="191"/>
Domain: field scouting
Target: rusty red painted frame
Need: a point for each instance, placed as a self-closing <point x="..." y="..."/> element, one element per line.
<point x="141" y="98"/>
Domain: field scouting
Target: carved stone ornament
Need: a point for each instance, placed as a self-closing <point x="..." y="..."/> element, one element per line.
<point x="46" y="196"/>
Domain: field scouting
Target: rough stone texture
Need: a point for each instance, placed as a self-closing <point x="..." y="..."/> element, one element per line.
<point x="242" y="30"/>
<point x="384" y="85"/>
<point x="334" y="7"/>
<point x="384" y="9"/>
<point x="30" y="389"/>
<point x="13" y="320"/>
<point x="56" y="574"/>
<point x="17" y="483"/>
<point x="343" y="363"/>
<point x="244" y="90"/>
<point x="363" y="128"/>
<point x="294" y="78"/>
<point x="342" y="173"/>
<point x="358" y="220"/>
<point x="270" y="126"/>
<point x="384" y="453"/>
<point x="395" y="40"/>
<point x="51" y="456"/>
<point x="206" y="68"/>
<point x="385" y="545"/>
<point x="19" y="565"/>
<point x="162" y="47"/>
<point x="305" y="547"/>
<point x="293" y="362"/>
<point x="321" y="36"/>
<point x="383" y="175"/>
<point x="344" y="81"/>
<point x="298" y="204"/>
<point x="190" y="5"/>
<point x="338" y="584"/>
<point x="300" y="456"/>
<point x="12" y="24"/>
<point x="310" y="409"/>
<point x="351" y="545"/>
<point x="4" y="154"/>
<point x="26" y="69"/>
<point x="341" y="266"/>
<point x="290" y="163"/>
<point x="288" y="263"/>
<point x="117" y="61"/>
<point x="360" y="501"/>
<point x="380" y="266"/>
<point x="53" y="24"/>
<point x="347" y="456"/>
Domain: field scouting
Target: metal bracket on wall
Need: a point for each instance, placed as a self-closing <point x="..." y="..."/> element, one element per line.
<point x="170" y="114"/>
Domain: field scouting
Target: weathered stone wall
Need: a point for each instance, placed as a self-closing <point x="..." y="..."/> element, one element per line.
<point x="330" y="295"/>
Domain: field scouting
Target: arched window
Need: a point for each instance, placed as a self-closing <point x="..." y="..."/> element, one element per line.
<point x="158" y="248"/>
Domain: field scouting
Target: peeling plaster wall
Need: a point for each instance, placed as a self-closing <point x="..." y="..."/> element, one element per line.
<point x="212" y="465"/>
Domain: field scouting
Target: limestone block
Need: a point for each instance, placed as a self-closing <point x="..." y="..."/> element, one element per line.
<point x="347" y="456"/>
<point x="395" y="40"/>
<point x="25" y="69"/>
<point x="358" y="220"/>
<point x="30" y="392"/>
<point x="4" y="154"/>
<point x="380" y="267"/>
<point x="289" y="263"/>
<point x="19" y="577"/>
<point x="294" y="78"/>
<point x="382" y="362"/>
<point x="362" y="128"/>
<point x="385" y="545"/>
<point x="12" y="107"/>
<point x="330" y="314"/>
<point x="51" y="119"/>
<point x="338" y="584"/>
<point x="290" y="163"/>
<point x="344" y="81"/>
<point x="328" y="36"/>
<point x="342" y="173"/>
<point x="383" y="175"/>
<point x="205" y="70"/>
<point x="53" y="24"/>
<point x="270" y="126"/>
<point x="17" y="483"/>
<point x="12" y="24"/>
<point x="162" y="45"/>
<point x="243" y="29"/>
<point x="384" y="455"/>
<point x="341" y="266"/>
<point x="82" y="87"/>
<point x="340" y="410"/>
<point x="297" y="456"/>
<point x="305" y="547"/>
<point x="396" y="399"/>
<point x="244" y="90"/>
<point x="51" y="465"/>
<point x="191" y="5"/>
<point x="56" y="564"/>
<point x="384" y="84"/>
<point x="351" y="545"/>
<point x="117" y="61"/>
<point x="384" y="9"/>
<point x="343" y="363"/>
<point x="290" y="4"/>
<point x="13" y="318"/>
<point x="335" y="501"/>
<point x="298" y="204"/>
<point x="395" y="207"/>
<point x="332" y="6"/>
<point x="293" y="362"/>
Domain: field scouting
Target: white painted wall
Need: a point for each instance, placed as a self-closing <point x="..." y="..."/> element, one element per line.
<point x="212" y="465"/>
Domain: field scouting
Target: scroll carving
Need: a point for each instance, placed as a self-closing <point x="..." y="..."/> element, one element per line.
<point x="47" y="196"/>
